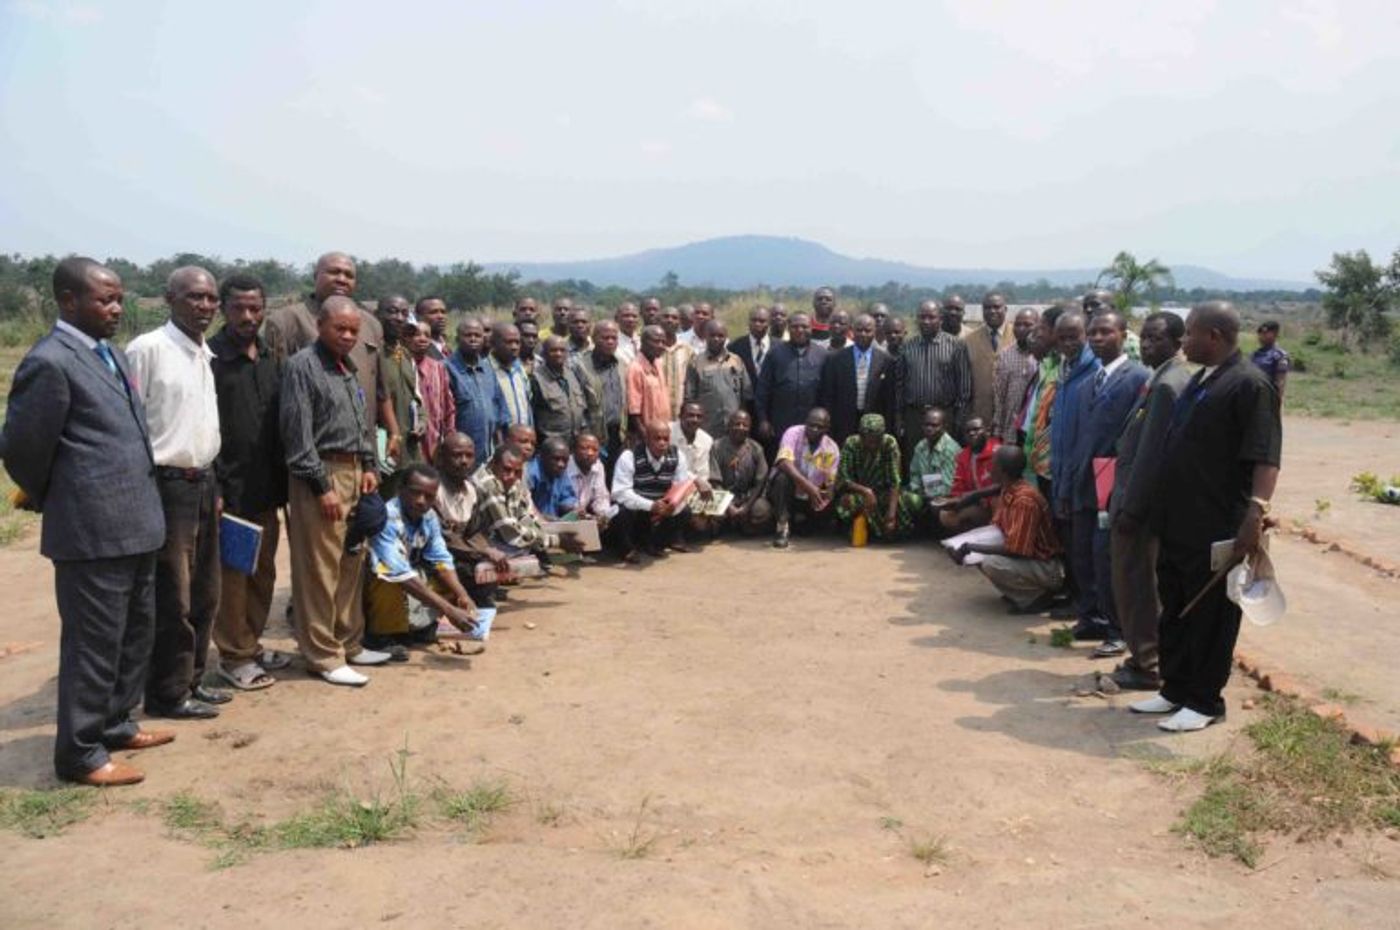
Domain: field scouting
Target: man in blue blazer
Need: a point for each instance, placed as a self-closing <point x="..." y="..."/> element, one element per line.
<point x="1077" y="369"/>
<point x="76" y="443"/>
<point x="1106" y="404"/>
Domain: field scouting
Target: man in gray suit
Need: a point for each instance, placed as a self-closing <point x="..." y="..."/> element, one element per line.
<point x="76" y="443"/>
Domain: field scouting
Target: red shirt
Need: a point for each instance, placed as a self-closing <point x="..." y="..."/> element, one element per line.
<point x="974" y="473"/>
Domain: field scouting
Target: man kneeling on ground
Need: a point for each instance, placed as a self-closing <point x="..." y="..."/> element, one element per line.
<point x="1026" y="566"/>
<point x="738" y="465"/>
<point x="804" y="473"/>
<point x="973" y="481"/>
<point x="401" y="556"/>
<point x="645" y="475"/>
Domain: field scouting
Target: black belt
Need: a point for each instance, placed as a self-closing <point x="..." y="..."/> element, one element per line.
<point x="183" y="474"/>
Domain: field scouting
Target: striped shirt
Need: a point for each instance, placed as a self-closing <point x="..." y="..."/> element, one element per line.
<point x="1014" y="371"/>
<point x="937" y="374"/>
<point x="1024" y="519"/>
<point x="515" y="387"/>
<point x="673" y="364"/>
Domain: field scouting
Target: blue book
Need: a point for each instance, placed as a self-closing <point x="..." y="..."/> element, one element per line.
<point x="239" y="543"/>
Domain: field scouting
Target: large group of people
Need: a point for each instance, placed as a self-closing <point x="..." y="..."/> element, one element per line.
<point x="1089" y="468"/>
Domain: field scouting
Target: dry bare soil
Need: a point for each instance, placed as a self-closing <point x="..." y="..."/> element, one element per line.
<point x="741" y="737"/>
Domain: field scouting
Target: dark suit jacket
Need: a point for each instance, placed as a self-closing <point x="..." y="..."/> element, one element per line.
<point x="1105" y="413"/>
<point x="742" y="348"/>
<point x="75" y="441"/>
<point x="838" y="389"/>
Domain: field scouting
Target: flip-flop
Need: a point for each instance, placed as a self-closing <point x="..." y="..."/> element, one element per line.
<point x="250" y="676"/>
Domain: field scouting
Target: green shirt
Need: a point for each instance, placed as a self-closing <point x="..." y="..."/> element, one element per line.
<point x="931" y="469"/>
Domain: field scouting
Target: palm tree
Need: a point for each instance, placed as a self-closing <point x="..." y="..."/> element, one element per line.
<point x="1132" y="279"/>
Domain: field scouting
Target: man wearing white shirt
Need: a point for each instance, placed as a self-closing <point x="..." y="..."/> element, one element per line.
<point x="644" y="476"/>
<point x="629" y="333"/>
<point x="172" y="373"/>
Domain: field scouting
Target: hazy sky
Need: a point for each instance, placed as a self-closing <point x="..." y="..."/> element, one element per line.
<point x="1253" y="137"/>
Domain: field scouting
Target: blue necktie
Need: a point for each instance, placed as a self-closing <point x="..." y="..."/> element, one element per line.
<point x="1100" y="377"/>
<point x="105" y="351"/>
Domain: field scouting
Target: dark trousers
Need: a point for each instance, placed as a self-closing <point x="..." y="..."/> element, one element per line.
<point x="1196" y="650"/>
<point x="635" y="529"/>
<point x="1104" y="604"/>
<point x="613" y="444"/>
<point x="107" y="608"/>
<point x="782" y="494"/>
<point x="187" y="589"/>
<point x="1083" y="528"/>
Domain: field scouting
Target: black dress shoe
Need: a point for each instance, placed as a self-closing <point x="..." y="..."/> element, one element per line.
<point x="1131" y="679"/>
<point x="188" y="709"/>
<point x="211" y="695"/>
<point x="1088" y="631"/>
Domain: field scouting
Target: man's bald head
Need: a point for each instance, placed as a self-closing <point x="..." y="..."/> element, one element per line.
<point x="1010" y="462"/>
<point x="334" y="274"/>
<point x="1212" y="332"/>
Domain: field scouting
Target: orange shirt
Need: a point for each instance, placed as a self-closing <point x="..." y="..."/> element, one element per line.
<point x="648" y="395"/>
<point x="1024" y="519"/>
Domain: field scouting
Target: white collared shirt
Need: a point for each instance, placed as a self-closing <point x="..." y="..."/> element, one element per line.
<point x="695" y="455"/>
<point x="758" y="349"/>
<point x="173" y="377"/>
<point x="1114" y="365"/>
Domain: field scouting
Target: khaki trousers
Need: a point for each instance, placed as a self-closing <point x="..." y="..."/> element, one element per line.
<point x="1023" y="580"/>
<point x="325" y="580"/>
<point x="1134" y="573"/>
<point x="245" y="601"/>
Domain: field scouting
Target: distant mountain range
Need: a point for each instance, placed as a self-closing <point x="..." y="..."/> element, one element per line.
<point x="739" y="262"/>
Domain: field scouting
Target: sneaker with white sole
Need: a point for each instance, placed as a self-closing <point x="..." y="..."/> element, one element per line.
<point x="369" y="657"/>
<point x="1154" y="705"/>
<point x="1186" y="720"/>
<point x="345" y="675"/>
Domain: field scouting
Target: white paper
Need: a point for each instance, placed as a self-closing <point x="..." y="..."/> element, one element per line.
<point x="988" y="535"/>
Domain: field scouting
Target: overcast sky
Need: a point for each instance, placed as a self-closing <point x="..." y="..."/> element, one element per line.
<point x="1252" y="137"/>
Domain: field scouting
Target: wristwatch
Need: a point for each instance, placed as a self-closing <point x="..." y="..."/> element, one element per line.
<point x="1262" y="504"/>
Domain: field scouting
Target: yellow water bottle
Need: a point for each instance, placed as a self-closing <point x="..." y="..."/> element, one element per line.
<point x="860" y="530"/>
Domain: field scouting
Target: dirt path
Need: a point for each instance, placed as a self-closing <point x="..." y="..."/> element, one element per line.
<point x="781" y="736"/>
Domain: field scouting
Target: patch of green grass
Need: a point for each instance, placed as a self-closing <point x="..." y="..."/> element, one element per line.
<point x="1301" y="776"/>
<point x="1225" y="820"/>
<point x="1341" y="697"/>
<point x="186" y="813"/>
<point x="1062" y="637"/>
<point x="1344" y="385"/>
<point x="931" y="850"/>
<point x="38" y="814"/>
<point x="346" y="822"/>
<point x="890" y="823"/>
<point x="475" y="806"/>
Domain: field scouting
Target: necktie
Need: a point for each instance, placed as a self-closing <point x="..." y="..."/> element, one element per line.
<point x="862" y="377"/>
<point x="995" y="335"/>
<point x="104" y="350"/>
<point x="1100" y="377"/>
<point x="758" y="353"/>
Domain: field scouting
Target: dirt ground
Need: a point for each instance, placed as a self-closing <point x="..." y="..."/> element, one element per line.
<point x="780" y="725"/>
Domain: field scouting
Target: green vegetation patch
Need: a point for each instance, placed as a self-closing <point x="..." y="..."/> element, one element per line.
<point x="1300" y="776"/>
<point x="38" y="814"/>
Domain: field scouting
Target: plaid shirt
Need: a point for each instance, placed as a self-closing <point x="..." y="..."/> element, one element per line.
<point x="507" y="515"/>
<point x="1015" y="370"/>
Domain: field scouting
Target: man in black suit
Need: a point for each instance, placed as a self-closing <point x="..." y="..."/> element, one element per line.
<point x="76" y="443"/>
<point x="752" y="347"/>
<point x="855" y="381"/>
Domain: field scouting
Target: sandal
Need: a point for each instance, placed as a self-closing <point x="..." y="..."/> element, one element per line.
<point x="272" y="660"/>
<point x="250" y="676"/>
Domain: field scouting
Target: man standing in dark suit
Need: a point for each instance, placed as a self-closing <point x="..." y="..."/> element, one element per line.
<point x="75" y="441"/>
<point x="855" y="381"/>
<point x="752" y="347"/>
<point x="1105" y="405"/>
<point x="788" y="382"/>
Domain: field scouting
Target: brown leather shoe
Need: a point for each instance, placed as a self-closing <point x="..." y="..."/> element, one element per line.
<point x="145" y="739"/>
<point x="111" y="775"/>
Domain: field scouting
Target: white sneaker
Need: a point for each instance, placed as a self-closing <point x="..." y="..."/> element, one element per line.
<point x="345" y="675"/>
<point x="369" y="657"/>
<point x="1186" y="720"/>
<point x="1153" y="705"/>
